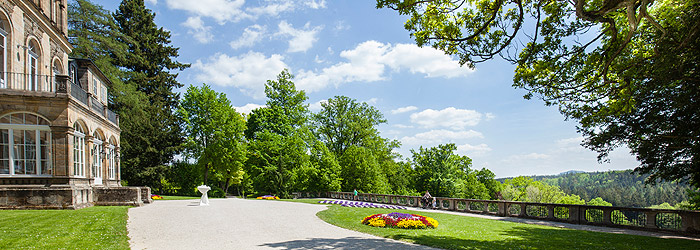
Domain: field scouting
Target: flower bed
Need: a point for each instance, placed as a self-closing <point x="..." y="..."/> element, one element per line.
<point x="268" y="197"/>
<point x="400" y="220"/>
<point x="156" y="197"/>
<point x="360" y="204"/>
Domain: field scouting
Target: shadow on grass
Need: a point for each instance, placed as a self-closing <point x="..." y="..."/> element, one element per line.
<point x="545" y="238"/>
<point x="343" y="243"/>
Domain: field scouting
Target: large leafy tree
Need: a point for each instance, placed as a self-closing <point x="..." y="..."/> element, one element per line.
<point x="149" y="63"/>
<point x="343" y="122"/>
<point x="214" y="134"/>
<point x="627" y="70"/>
<point x="439" y="170"/>
<point x="278" y="138"/>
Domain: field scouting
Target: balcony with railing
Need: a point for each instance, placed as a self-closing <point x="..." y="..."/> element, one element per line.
<point x="27" y="84"/>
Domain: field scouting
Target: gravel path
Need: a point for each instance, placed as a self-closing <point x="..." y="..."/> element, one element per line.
<point x="243" y="224"/>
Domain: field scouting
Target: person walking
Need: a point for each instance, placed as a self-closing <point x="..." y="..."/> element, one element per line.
<point x="354" y="194"/>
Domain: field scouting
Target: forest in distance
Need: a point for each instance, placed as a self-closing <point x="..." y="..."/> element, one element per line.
<point x="619" y="187"/>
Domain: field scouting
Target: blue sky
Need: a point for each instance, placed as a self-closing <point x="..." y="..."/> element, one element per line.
<point x="350" y="48"/>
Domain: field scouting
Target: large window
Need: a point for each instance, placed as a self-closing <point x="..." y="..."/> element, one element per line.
<point x="78" y="151"/>
<point x="111" y="169"/>
<point x="97" y="150"/>
<point x="3" y="53"/>
<point x="25" y="145"/>
<point x="33" y="67"/>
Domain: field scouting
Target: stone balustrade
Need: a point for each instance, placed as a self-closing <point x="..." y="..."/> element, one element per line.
<point x="679" y="221"/>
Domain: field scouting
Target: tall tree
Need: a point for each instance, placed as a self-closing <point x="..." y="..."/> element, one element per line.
<point x="439" y="170"/>
<point x="278" y="138"/>
<point x="632" y="81"/>
<point x="149" y="62"/>
<point x="214" y="133"/>
<point x="343" y="122"/>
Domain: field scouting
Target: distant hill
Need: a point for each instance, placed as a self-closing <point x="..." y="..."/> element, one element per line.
<point x="621" y="188"/>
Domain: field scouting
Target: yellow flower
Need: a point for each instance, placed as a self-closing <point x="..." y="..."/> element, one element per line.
<point x="432" y="221"/>
<point x="377" y="222"/>
<point x="410" y="224"/>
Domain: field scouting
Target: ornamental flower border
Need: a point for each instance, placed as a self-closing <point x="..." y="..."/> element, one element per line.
<point x="360" y="204"/>
<point x="156" y="197"/>
<point x="400" y="220"/>
<point x="268" y="197"/>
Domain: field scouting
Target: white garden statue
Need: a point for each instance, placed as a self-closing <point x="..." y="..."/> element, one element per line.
<point x="205" y="199"/>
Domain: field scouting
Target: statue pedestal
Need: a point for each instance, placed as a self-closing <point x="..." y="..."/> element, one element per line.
<point x="205" y="199"/>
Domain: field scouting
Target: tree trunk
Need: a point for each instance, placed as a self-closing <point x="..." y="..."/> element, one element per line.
<point x="206" y="173"/>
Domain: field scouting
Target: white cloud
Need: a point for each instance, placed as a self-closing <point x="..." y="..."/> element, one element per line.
<point x="198" y="30"/>
<point x="316" y="4"/>
<point x="368" y="61"/>
<point x="449" y="118"/>
<point x="220" y="10"/>
<point x="473" y="150"/>
<point x="404" y="109"/>
<point x="251" y="35"/>
<point x="301" y="39"/>
<point x="372" y="101"/>
<point x="401" y="126"/>
<point x="248" y="72"/>
<point x="274" y="8"/>
<point x="316" y="106"/>
<point x="154" y="2"/>
<point x="439" y="136"/>
<point x="246" y="109"/>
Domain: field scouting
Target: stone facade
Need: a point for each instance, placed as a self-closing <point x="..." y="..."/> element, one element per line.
<point x="59" y="142"/>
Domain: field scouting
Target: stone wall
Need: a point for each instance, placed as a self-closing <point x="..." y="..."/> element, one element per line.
<point x="119" y="196"/>
<point x="45" y="198"/>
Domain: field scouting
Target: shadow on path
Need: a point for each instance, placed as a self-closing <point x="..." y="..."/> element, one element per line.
<point x="343" y="243"/>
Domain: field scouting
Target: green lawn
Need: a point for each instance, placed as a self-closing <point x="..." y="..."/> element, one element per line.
<point x="88" y="228"/>
<point x="463" y="232"/>
<point x="173" y="197"/>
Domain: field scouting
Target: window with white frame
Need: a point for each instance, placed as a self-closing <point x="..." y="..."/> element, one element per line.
<point x="78" y="151"/>
<point x="97" y="150"/>
<point x="33" y="67"/>
<point x="25" y="145"/>
<point x="3" y="53"/>
<point x="109" y="155"/>
<point x="95" y="90"/>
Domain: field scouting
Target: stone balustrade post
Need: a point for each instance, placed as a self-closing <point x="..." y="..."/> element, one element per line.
<point x="501" y="209"/>
<point x="607" y="214"/>
<point x="574" y="214"/>
<point x="550" y="212"/>
<point x="651" y="219"/>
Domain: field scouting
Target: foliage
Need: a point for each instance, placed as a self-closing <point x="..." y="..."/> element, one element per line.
<point x="361" y="171"/>
<point x="214" y="134"/>
<point x="88" y="228"/>
<point x="278" y="140"/>
<point x="465" y="232"/>
<point x="152" y="136"/>
<point x="621" y="188"/>
<point x="526" y="189"/>
<point x="626" y="70"/>
<point x="343" y="122"/>
<point x="597" y="201"/>
<point x="322" y="172"/>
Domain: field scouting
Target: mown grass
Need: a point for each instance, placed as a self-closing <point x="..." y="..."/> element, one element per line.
<point x="463" y="232"/>
<point x="88" y="228"/>
<point x="174" y="197"/>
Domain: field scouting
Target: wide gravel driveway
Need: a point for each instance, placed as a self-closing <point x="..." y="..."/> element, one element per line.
<point x="243" y="224"/>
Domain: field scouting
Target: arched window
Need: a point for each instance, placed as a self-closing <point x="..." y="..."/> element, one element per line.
<point x="97" y="150"/>
<point x="111" y="160"/>
<point x="57" y="70"/>
<point x="25" y="145"/>
<point x="78" y="150"/>
<point x="33" y="53"/>
<point x="4" y="27"/>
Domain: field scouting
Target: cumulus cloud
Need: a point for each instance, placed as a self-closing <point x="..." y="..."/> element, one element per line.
<point x="272" y="8"/>
<point x="248" y="72"/>
<point x="315" y="4"/>
<point x="154" y="2"/>
<point x="369" y="61"/>
<point x="473" y="150"/>
<point x="300" y="40"/>
<point x="251" y="35"/>
<point x="246" y="109"/>
<point x="220" y="10"/>
<point x="439" y="136"/>
<point x="404" y="109"/>
<point x="198" y="30"/>
<point x="448" y="118"/>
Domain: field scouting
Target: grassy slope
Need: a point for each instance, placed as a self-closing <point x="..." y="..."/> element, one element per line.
<point x="88" y="228"/>
<point x="463" y="232"/>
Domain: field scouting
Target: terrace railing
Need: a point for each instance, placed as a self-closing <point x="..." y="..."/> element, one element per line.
<point x="678" y="221"/>
<point x="29" y="83"/>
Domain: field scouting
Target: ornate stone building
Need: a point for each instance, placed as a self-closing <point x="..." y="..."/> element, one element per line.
<point x="59" y="143"/>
